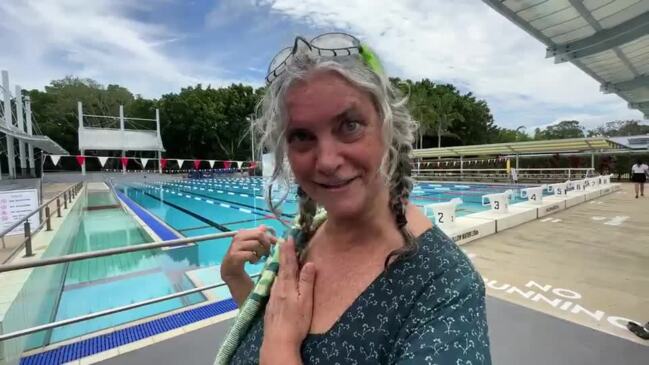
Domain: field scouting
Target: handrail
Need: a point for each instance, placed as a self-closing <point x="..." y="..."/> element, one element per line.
<point x="38" y="210"/>
<point x="112" y="251"/>
<point x="108" y="252"/>
<point x="106" y="312"/>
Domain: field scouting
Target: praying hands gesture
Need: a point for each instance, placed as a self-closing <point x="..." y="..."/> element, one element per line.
<point x="289" y="309"/>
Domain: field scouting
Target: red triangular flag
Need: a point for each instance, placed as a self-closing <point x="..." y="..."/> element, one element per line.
<point x="163" y="163"/>
<point x="226" y="164"/>
<point x="81" y="159"/>
<point x="253" y="164"/>
<point x="124" y="161"/>
<point x="197" y="164"/>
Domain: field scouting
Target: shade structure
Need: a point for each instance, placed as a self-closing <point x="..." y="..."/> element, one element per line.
<point x="608" y="40"/>
<point x="549" y="146"/>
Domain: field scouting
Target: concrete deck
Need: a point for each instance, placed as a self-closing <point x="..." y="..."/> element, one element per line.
<point x="518" y="336"/>
<point x="587" y="264"/>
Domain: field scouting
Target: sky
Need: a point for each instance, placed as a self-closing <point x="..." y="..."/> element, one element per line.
<point x="154" y="47"/>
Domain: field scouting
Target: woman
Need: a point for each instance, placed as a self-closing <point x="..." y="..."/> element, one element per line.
<point x="639" y="176"/>
<point x="367" y="279"/>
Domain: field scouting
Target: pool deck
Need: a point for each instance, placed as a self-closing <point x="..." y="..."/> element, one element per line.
<point x="588" y="264"/>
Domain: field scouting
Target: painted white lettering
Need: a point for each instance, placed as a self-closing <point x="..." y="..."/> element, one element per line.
<point x="566" y="293"/>
<point x="527" y="294"/>
<point x="492" y="285"/>
<point x="532" y="283"/>
<point x="565" y="306"/>
<point x="597" y="315"/>
<point x="618" y="321"/>
<point x="554" y="303"/>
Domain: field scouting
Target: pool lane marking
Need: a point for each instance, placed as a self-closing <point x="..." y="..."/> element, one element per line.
<point x="207" y="221"/>
<point x="262" y="211"/>
<point x="243" y="204"/>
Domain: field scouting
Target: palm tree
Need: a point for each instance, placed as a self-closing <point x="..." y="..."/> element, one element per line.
<point x="443" y="109"/>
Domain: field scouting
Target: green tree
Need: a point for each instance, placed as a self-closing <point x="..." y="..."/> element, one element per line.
<point x="620" y="128"/>
<point x="564" y="129"/>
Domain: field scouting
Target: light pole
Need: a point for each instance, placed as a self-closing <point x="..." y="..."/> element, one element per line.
<point x="252" y="137"/>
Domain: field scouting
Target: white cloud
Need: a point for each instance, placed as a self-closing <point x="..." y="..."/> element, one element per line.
<point x="463" y="41"/>
<point x="43" y="40"/>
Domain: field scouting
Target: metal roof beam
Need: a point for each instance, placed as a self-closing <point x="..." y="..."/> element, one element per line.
<point x="628" y="85"/>
<point x="602" y="40"/>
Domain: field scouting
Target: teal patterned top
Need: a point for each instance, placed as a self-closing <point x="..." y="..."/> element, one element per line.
<point x="426" y="309"/>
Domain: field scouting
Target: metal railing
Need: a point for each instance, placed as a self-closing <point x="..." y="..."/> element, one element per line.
<point x="489" y="174"/>
<point x="110" y="252"/>
<point x="62" y="200"/>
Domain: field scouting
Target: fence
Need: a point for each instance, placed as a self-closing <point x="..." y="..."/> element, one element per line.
<point x="45" y="214"/>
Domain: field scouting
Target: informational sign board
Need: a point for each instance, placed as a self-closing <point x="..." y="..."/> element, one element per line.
<point x="15" y="205"/>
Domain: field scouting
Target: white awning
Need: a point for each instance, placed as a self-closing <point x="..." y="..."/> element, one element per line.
<point x="41" y="142"/>
<point x="609" y="40"/>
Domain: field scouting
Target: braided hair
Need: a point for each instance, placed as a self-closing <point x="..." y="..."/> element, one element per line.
<point x="397" y="128"/>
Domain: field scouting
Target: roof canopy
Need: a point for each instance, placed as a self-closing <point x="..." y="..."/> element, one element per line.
<point x="609" y="40"/>
<point x="41" y="142"/>
<point x="549" y="146"/>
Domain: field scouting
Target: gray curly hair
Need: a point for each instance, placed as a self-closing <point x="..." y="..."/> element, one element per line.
<point x="398" y="128"/>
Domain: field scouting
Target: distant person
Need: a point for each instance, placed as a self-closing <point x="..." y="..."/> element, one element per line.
<point x="364" y="277"/>
<point x="639" y="173"/>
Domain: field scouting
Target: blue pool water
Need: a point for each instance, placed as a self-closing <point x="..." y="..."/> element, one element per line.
<point x="191" y="208"/>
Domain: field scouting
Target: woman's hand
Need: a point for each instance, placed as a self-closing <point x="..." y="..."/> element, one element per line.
<point x="248" y="245"/>
<point x="289" y="309"/>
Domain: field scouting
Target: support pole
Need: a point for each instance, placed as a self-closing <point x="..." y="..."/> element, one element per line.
<point x="516" y="162"/>
<point x="20" y="119"/>
<point x="83" y="166"/>
<point x="80" y="115"/>
<point x="30" y="131"/>
<point x="160" y="162"/>
<point x="462" y="167"/>
<point x="11" y="157"/>
<point x="121" y="127"/>
<point x="157" y="127"/>
<point x="592" y="161"/>
<point x="252" y="139"/>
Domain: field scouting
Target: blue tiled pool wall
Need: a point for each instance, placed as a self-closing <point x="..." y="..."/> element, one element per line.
<point x="105" y="342"/>
<point x="37" y="301"/>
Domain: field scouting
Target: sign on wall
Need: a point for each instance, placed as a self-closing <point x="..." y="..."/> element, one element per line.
<point x="15" y="205"/>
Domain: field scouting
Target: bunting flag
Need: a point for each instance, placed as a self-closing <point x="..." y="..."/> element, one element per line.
<point x="211" y="163"/>
<point x="81" y="159"/>
<point x="253" y="165"/>
<point x="238" y="164"/>
<point x="55" y="159"/>
<point x="102" y="160"/>
<point x="180" y="163"/>
<point x="227" y="164"/>
<point x="197" y="164"/>
<point x="144" y="162"/>
<point x="163" y="163"/>
<point x="124" y="161"/>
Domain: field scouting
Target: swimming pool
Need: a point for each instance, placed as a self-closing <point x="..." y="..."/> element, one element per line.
<point x="190" y="208"/>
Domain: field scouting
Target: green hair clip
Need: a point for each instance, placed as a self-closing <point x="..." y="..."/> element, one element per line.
<point x="371" y="59"/>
